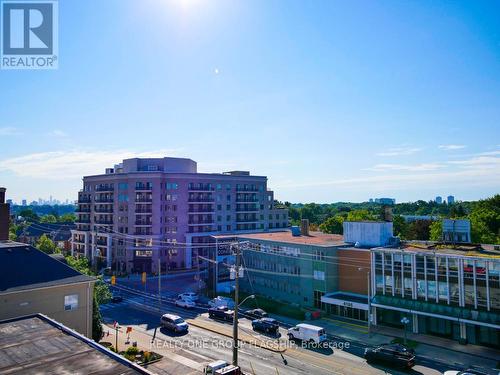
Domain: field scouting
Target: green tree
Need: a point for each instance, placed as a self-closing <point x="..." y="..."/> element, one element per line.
<point x="102" y="292"/>
<point x="80" y="264"/>
<point x="419" y="230"/>
<point x="436" y="230"/>
<point x="48" y="219"/>
<point x="361" y="215"/>
<point x="29" y="215"/>
<point x="97" y="331"/>
<point x="334" y="225"/>
<point x="67" y="218"/>
<point x="400" y="227"/>
<point x="13" y="232"/>
<point x="46" y="245"/>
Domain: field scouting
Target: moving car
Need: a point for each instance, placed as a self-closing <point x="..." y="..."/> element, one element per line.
<point x="173" y="323"/>
<point x="268" y="325"/>
<point x="188" y="295"/>
<point x="185" y="303"/>
<point x="221" y="301"/>
<point x="391" y="354"/>
<point x="221" y="312"/>
<point x="307" y="332"/>
<point x="116" y="298"/>
<point x="255" y="314"/>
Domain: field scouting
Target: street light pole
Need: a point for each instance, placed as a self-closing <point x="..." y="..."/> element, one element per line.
<point x="236" y="301"/>
<point x="405" y="321"/>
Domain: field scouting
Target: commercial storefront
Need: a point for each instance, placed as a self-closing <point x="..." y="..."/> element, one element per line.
<point x="444" y="292"/>
<point x="346" y="305"/>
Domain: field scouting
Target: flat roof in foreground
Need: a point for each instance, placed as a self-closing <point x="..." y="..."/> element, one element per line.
<point x="36" y="344"/>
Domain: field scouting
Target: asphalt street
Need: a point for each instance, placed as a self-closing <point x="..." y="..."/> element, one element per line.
<point x="141" y="312"/>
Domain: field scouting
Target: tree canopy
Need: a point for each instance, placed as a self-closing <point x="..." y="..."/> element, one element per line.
<point x="46" y="245"/>
<point x="484" y="216"/>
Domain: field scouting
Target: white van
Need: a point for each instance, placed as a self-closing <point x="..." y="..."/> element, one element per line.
<point x="307" y="332"/>
<point x="212" y="367"/>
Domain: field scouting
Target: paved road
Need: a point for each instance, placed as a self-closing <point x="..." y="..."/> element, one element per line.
<point x="134" y="311"/>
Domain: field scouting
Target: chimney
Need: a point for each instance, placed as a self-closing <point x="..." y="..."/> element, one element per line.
<point x="4" y="216"/>
<point x="304" y="227"/>
<point x="388" y="213"/>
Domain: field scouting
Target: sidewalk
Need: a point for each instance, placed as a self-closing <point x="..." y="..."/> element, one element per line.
<point x="430" y="347"/>
<point x="174" y="361"/>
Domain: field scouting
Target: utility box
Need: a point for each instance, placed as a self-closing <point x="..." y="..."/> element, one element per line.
<point x="456" y="231"/>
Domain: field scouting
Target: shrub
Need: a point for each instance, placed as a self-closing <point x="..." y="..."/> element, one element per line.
<point x="132" y="351"/>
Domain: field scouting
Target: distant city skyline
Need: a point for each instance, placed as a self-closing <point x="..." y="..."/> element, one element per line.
<point x="333" y="101"/>
<point x="40" y="201"/>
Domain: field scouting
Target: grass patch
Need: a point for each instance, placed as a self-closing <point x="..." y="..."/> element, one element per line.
<point x="409" y="343"/>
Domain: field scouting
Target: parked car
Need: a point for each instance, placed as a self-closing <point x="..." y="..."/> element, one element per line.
<point x="473" y="371"/>
<point x="221" y="301"/>
<point x="185" y="303"/>
<point x="391" y="354"/>
<point x="221" y="312"/>
<point x="173" y="323"/>
<point x="189" y="295"/>
<point x="255" y="314"/>
<point x="307" y="332"/>
<point x="267" y="325"/>
<point x="116" y="298"/>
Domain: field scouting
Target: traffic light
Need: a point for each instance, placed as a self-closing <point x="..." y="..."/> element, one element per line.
<point x="144" y="277"/>
<point x="113" y="280"/>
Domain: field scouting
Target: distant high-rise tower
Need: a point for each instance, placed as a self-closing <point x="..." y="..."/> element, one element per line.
<point x="439" y="200"/>
<point x="24" y="203"/>
<point x="450" y="199"/>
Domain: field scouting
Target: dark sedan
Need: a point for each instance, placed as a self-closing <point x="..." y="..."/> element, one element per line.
<point x="255" y="314"/>
<point x="395" y="355"/>
<point x="267" y="325"/>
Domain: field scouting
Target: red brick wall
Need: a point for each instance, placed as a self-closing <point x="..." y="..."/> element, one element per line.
<point x="352" y="279"/>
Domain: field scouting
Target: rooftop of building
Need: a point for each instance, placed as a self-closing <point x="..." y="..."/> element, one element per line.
<point x="57" y="231"/>
<point x="314" y="238"/>
<point x="24" y="267"/>
<point x="170" y="165"/>
<point x="472" y="250"/>
<point x="36" y="344"/>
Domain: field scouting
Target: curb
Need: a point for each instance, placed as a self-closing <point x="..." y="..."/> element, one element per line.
<point x="255" y="342"/>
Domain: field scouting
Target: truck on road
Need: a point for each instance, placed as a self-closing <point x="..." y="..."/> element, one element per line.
<point x="307" y="333"/>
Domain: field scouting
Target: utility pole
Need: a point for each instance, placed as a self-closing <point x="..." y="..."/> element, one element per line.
<point x="236" y="301"/>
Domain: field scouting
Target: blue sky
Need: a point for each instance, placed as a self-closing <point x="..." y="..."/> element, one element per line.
<point x="333" y="100"/>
